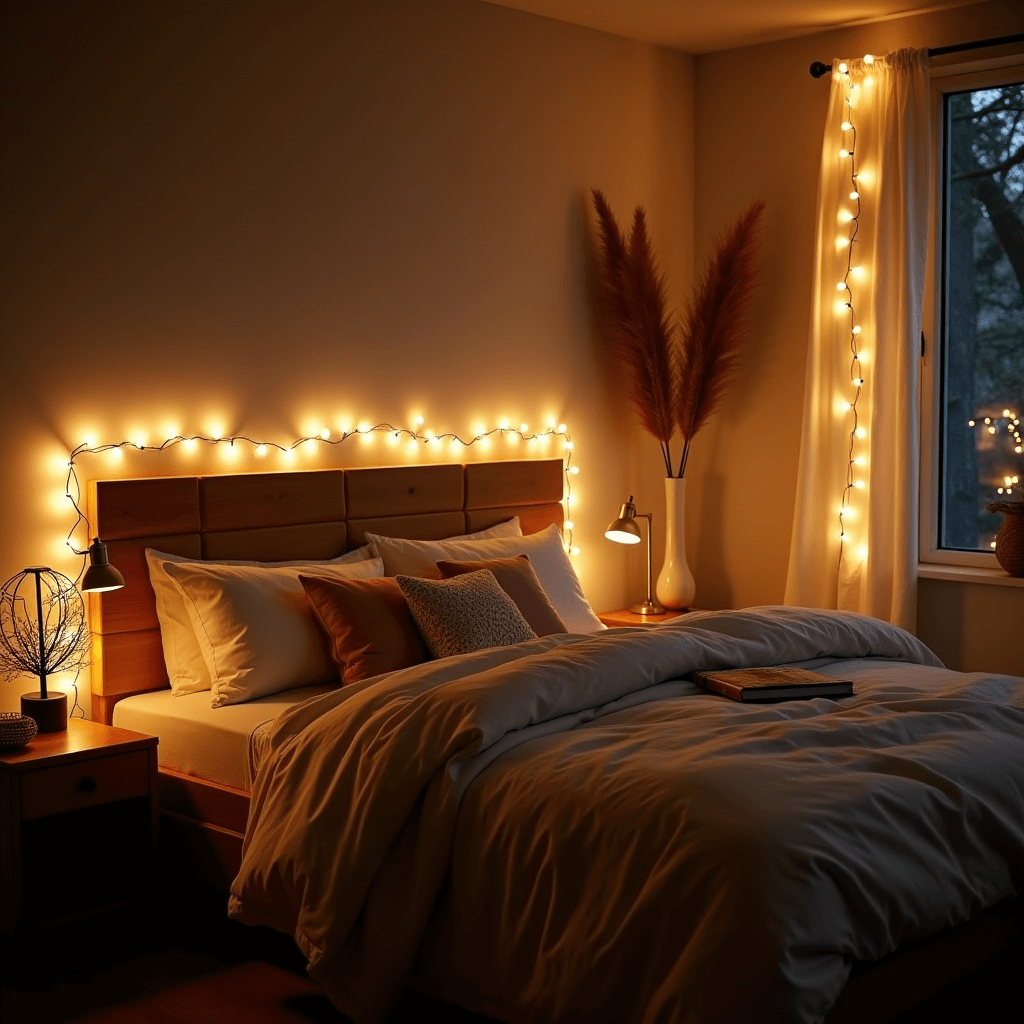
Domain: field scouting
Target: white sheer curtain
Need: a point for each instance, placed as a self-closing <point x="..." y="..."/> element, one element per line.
<point x="872" y="567"/>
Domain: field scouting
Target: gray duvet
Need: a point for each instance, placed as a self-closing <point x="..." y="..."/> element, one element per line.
<point x="564" y="831"/>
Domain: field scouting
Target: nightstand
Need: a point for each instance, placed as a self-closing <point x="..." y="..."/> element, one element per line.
<point x="78" y="821"/>
<point x="624" y="617"/>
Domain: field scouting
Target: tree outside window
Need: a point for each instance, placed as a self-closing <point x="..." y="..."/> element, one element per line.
<point x="983" y="330"/>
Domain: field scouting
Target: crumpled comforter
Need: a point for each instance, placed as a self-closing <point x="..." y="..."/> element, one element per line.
<point x="564" y="831"/>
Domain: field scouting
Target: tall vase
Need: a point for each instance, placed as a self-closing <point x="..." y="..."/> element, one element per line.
<point x="676" y="587"/>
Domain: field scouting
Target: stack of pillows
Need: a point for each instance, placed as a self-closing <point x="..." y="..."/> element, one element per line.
<point x="248" y="629"/>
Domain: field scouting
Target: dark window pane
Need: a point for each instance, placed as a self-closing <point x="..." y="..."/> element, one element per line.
<point x="983" y="329"/>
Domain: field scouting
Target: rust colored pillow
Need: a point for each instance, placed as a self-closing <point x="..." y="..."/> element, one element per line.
<point x="519" y="580"/>
<point x="370" y="627"/>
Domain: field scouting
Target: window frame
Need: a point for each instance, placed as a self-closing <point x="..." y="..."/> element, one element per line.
<point x="951" y="78"/>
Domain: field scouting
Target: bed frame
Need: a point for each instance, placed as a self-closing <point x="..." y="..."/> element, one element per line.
<point x="271" y="517"/>
<point x="319" y="515"/>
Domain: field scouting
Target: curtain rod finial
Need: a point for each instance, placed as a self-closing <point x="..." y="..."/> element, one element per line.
<point x="818" y="69"/>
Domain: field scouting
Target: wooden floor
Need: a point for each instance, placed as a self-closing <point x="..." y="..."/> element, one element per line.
<point x="181" y="961"/>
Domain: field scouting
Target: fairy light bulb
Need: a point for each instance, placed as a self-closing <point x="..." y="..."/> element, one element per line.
<point x="574" y="470"/>
<point x="843" y="154"/>
<point x="846" y="126"/>
<point x="503" y="424"/>
<point x="261" y="450"/>
<point x="868" y="59"/>
<point x="859" y="381"/>
<point x="568" y="524"/>
<point x="843" y="68"/>
<point x="855" y="195"/>
<point x="841" y="286"/>
<point x="325" y="434"/>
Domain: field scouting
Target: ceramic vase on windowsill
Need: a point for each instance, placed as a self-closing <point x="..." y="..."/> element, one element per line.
<point x="676" y="587"/>
<point x="1010" y="538"/>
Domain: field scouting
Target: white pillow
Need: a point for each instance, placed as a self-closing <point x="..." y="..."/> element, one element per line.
<point x="547" y="556"/>
<point x="257" y="631"/>
<point x="186" y="666"/>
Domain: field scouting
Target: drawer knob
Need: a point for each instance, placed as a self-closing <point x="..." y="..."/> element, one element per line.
<point x="87" y="784"/>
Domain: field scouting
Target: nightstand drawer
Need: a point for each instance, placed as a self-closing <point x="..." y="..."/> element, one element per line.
<point x="69" y="787"/>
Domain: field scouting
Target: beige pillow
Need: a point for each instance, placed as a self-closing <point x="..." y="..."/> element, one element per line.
<point x="186" y="666"/>
<point x="257" y="631"/>
<point x="464" y="614"/>
<point x="547" y="556"/>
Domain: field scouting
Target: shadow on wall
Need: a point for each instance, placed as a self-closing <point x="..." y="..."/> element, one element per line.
<point x="713" y="588"/>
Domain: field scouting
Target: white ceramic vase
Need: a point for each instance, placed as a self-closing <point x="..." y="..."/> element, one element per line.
<point x="676" y="587"/>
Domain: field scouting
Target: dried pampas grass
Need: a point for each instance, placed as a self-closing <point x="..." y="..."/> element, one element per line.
<point x="678" y="373"/>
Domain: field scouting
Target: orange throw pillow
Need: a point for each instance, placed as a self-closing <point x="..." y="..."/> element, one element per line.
<point x="370" y="626"/>
<point x="519" y="580"/>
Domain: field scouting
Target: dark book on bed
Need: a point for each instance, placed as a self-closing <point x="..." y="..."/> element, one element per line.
<point x="751" y="685"/>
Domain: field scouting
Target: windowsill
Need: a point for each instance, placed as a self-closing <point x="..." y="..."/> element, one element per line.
<point x="968" y="574"/>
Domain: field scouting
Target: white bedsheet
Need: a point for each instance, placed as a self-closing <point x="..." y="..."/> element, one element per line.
<point x="219" y="744"/>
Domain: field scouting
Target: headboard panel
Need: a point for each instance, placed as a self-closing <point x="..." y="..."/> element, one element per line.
<point x="281" y="517"/>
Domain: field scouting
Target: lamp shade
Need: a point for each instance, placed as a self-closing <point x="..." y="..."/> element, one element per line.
<point x="100" y="575"/>
<point x="625" y="530"/>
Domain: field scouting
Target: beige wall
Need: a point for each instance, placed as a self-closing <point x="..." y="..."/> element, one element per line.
<point x="265" y="217"/>
<point x="760" y="119"/>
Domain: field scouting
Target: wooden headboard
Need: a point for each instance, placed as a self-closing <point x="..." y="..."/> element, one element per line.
<point x="316" y="514"/>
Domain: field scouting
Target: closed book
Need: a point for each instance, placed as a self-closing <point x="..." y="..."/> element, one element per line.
<point x="753" y="685"/>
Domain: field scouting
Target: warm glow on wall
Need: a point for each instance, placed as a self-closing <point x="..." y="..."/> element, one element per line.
<point x="234" y="447"/>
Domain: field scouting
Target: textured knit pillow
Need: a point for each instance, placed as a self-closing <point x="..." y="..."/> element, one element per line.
<point x="464" y="614"/>
<point x="517" y="578"/>
<point x="369" y="624"/>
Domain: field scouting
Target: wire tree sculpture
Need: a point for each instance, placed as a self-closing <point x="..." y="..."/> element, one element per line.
<point x="55" y="639"/>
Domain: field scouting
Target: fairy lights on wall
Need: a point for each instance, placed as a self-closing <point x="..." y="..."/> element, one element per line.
<point x="849" y="404"/>
<point x="415" y="438"/>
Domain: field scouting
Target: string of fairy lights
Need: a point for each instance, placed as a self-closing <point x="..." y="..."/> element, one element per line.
<point x="417" y="437"/>
<point x="845" y="306"/>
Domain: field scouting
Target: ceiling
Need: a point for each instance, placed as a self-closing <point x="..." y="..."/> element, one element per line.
<point x="700" y="26"/>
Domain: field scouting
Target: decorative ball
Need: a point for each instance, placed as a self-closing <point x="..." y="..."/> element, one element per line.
<point x="15" y="730"/>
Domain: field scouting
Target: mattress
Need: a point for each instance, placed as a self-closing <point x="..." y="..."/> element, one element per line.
<point x="218" y="744"/>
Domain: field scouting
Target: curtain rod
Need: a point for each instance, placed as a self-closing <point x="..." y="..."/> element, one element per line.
<point x="818" y="69"/>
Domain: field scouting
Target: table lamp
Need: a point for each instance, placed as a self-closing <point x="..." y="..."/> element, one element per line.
<point x="625" y="530"/>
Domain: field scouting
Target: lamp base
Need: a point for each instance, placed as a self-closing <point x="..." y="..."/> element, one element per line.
<point x="646" y="608"/>
<point x="50" y="713"/>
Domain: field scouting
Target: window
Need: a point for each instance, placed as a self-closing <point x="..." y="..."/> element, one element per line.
<point x="973" y="381"/>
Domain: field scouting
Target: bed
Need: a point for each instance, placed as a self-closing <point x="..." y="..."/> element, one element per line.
<point x="507" y="872"/>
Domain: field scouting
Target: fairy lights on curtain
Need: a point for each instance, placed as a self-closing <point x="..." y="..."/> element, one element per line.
<point x="856" y="477"/>
<point x="416" y="438"/>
